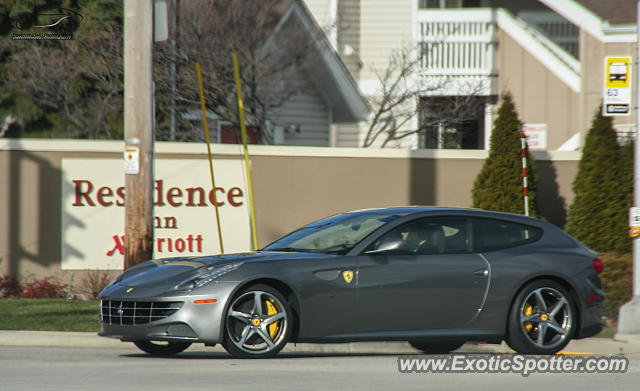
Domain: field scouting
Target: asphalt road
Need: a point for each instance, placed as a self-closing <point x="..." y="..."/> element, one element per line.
<point x="80" y="368"/>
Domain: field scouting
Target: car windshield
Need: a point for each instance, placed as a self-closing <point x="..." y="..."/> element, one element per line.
<point x="333" y="235"/>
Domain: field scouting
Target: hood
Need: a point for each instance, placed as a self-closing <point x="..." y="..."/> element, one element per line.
<point x="166" y="273"/>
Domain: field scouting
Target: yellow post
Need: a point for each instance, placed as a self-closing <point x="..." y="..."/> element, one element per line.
<point x="206" y="132"/>
<point x="243" y="130"/>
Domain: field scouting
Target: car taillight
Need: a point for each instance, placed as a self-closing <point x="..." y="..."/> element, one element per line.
<point x="597" y="265"/>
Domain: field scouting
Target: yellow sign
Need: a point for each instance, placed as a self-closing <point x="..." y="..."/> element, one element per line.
<point x="634" y="222"/>
<point x="617" y="86"/>
<point x="348" y="276"/>
<point x="618" y="72"/>
<point x="131" y="160"/>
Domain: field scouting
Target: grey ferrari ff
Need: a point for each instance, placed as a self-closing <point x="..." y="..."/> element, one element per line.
<point x="435" y="277"/>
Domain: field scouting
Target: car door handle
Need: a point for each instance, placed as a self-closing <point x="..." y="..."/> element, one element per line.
<point x="481" y="272"/>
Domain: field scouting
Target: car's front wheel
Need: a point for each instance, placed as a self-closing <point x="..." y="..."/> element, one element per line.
<point x="257" y="323"/>
<point x="542" y="319"/>
<point x="162" y="348"/>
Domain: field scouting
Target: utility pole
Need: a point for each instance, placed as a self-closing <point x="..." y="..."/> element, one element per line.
<point x="629" y="316"/>
<point x="172" y="98"/>
<point x="138" y="130"/>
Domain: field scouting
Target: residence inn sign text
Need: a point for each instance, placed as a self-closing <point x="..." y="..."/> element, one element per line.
<point x="184" y="216"/>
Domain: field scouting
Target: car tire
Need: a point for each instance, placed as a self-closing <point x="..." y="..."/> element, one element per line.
<point x="162" y="348"/>
<point x="542" y="319"/>
<point x="257" y="330"/>
<point x="436" y="347"/>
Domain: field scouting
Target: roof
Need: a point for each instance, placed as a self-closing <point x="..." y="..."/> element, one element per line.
<point x="329" y="74"/>
<point x="613" y="11"/>
<point x="608" y="21"/>
<point x="418" y="209"/>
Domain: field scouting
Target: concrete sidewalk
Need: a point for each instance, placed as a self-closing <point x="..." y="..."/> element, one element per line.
<point x="621" y="344"/>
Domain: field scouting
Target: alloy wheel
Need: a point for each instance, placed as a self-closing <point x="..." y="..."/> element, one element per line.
<point x="257" y="324"/>
<point x="542" y="319"/>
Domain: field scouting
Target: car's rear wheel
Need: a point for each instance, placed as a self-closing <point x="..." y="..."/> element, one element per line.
<point x="542" y="319"/>
<point x="162" y="348"/>
<point x="258" y="323"/>
<point x="436" y="347"/>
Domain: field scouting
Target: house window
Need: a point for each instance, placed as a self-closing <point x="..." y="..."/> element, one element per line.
<point x="452" y="122"/>
<point x="429" y="4"/>
<point x="425" y="4"/>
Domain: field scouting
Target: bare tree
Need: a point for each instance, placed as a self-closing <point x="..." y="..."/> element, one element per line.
<point x="449" y="119"/>
<point x="269" y="52"/>
<point x="80" y="80"/>
<point x="94" y="282"/>
<point x="399" y="100"/>
<point x="78" y="84"/>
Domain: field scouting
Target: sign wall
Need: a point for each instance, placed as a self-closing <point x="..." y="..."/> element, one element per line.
<point x="184" y="215"/>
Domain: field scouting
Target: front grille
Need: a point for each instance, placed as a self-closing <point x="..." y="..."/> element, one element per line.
<point x="113" y="312"/>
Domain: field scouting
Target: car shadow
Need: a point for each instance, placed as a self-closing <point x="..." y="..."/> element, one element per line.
<point x="222" y="355"/>
<point x="286" y="355"/>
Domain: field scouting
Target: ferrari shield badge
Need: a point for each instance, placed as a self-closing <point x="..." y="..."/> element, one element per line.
<point x="348" y="276"/>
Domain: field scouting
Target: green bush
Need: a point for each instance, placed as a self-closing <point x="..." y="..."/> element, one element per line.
<point x="602" y="190"/>
<point x="498" y="186"/>
<point x="622" y="241"/>
<point x="617" y="281"/>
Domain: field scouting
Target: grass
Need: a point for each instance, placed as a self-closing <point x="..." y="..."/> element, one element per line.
<point x="49" y="315"/>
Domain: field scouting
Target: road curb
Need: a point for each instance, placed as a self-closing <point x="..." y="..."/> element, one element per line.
<point x="56" y="338"/>
<point x="631" y="338"/>
<point x="621" y="344"/>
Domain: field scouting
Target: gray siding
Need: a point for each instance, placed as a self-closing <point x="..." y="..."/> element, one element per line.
<point x="348" y="135"/>
<point x="309" y="110"/>
<point x="349" y="35"/>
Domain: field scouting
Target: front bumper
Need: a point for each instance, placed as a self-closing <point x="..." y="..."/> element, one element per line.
<point x="191" y="317"/>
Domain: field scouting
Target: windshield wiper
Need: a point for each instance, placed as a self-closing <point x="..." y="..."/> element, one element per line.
<point x="289" y="249"/>
<point x="294" y="249"/>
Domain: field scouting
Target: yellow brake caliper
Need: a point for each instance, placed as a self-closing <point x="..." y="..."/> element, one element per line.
<point x="273" y="327"/>
<point x="528" y="310"/>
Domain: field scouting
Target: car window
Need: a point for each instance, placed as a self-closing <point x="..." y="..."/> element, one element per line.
<point x="333" y="235"/>
<point x="494" y="234"/>
<point x="434" y="235"/>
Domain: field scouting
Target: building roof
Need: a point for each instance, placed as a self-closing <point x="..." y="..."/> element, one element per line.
<point x="608" y="21"/>
<point x="613" y="11"/>
<point x="329" y="74"/>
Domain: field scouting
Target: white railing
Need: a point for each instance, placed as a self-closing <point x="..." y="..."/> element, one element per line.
<point x="562" y="32"/>
<point x="554" y="58"/>
<point x="457" y="42"/>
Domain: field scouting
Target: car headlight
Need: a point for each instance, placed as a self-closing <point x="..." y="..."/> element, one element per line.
<point x="207" y="277"/>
